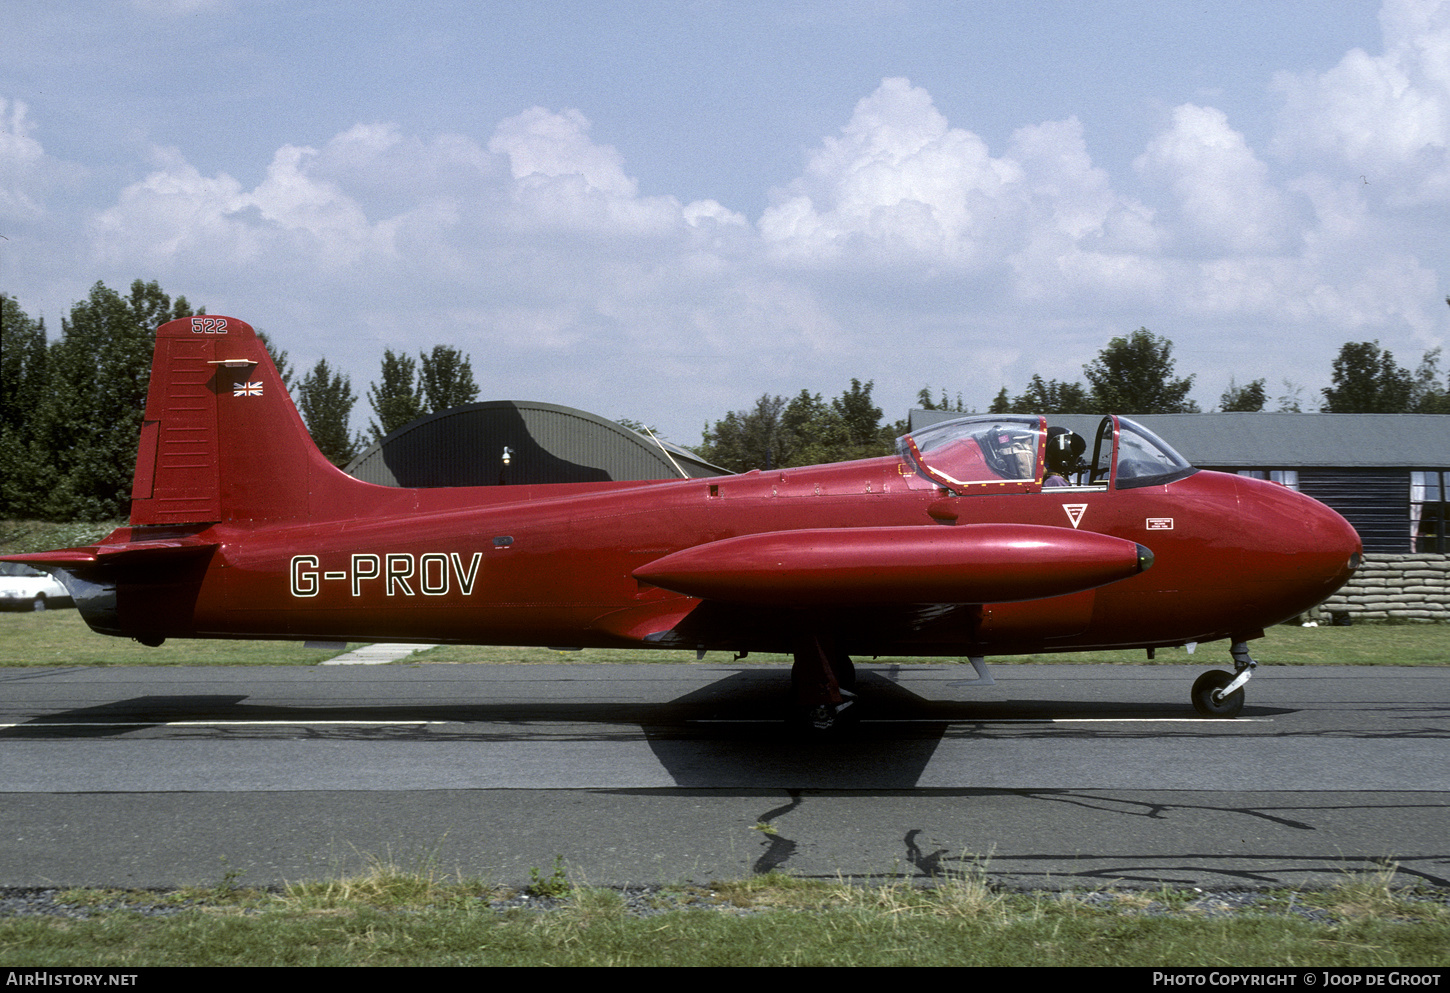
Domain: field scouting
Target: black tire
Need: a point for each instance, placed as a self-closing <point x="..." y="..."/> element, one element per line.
<point x="1203" y="699"/>
<point x="38" y="604"/>
<point x="823" y="721"/>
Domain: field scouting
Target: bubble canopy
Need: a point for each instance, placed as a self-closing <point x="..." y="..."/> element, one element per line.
<point x="999" y="452"/>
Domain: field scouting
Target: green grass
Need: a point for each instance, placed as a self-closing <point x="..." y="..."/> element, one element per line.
<point x="1287" y="644"/>
<point x="42" y="536"/>
<point x="394" y="918"/>
<point x="1290" y="644"/>
<point x="60" y="637"/>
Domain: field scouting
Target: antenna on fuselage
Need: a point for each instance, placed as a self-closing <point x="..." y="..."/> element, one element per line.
<point x="683" y="473"/>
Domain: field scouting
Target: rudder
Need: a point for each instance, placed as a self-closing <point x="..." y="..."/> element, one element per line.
<point x="221" y="439"/>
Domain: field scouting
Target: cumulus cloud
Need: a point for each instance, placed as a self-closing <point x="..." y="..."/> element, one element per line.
<point x="174" y="206"/>
<point x="292" y="214"/>
<point x="1386" y="115"/>
<point x="537" y="245"/>
<point x="1080" y="238"/>
<point x="562" y="178"/>
<point x="533" y="249"/>
<point x="897" y="186"/>
<point x="901" y="190"/>
<point x="1221" y="189"/>
<point x="365" y="201"/>
<point x="391" y="171"/>
<point x="540" y="143"/>
<point x="27" y="174"/>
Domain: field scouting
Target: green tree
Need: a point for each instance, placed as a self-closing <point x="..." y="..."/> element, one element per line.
<point x="446" y="379"/>
<point x="638" y="427"/>
<point x="812" y="432"/>
<point x="1134" y="375"/>
<point x="22" y="363"/>
<point x="25" y="467"/>
<point x="862" y="420"/>
<point x="746" y="439"/>
<point x="807" y="430"/>
<point x="325" y="400"/>
<point x="98" y="374"/>
<point x="1429" y="396"/>
<point x="1052" y="397"/>
<point x="279" y="359"/>
<point x="395" y="399"/>
<point x="1291" y="401"/>
<point x="1044" y="397"/>
<point x="1248" y="399"/>
<point x="925" y="402"/>
<point x="1368" y="380"/>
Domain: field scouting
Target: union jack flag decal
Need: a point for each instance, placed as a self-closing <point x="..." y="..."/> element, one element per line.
<point x="247" y="390"/>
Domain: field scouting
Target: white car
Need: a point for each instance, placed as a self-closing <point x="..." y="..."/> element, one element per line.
<point x="25" y="588"/>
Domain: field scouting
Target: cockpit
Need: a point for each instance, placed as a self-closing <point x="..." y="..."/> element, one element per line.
<point x="1016" y="453"/>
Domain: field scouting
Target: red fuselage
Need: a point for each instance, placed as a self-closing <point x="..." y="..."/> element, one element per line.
<point x="552" y="565"/>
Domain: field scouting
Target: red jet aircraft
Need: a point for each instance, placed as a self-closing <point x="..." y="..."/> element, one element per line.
<point x="986" y="535"/>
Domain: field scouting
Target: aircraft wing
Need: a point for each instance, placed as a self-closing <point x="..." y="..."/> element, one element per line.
<point x="974" y="563"/>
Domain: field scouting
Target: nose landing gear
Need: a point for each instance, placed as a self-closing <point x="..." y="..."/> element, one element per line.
<point x="1221" y="694"/>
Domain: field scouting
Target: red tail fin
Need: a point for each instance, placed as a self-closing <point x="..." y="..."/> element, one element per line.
<point x="222" y="440"/>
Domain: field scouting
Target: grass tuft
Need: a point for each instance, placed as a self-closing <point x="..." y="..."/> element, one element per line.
<point x="391" y="916"/>
<point x="554" y="886"/>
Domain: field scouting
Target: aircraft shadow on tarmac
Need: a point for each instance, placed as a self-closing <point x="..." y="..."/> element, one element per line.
<point x="740" y="706"/>
<point x="737" y="723"/>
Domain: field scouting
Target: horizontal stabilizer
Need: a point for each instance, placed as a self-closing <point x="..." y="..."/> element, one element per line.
<point x="63" y="558"/>
<point x="113" y="552"/>
<point x="979" y="563"/>
<point x="131" y="583"/>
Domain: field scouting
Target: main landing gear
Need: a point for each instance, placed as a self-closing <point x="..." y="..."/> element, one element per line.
<point x="822" y="680"/>
<point x="1221" y="694"/>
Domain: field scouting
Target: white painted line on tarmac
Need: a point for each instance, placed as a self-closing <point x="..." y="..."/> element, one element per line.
<point x="379" y="654"/>
<point x="214" y="724"/>
<point x="1025" y="720"/>
<point x="33" y="725"/>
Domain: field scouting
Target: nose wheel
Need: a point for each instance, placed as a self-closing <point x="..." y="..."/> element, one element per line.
<point x="1221" y="694"/>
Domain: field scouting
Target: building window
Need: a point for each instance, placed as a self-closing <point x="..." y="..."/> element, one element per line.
<point x="1428" y="511"/>
<point x="1284" y="477"/>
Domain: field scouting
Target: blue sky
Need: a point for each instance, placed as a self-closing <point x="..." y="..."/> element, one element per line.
<point x="663" y="210"/>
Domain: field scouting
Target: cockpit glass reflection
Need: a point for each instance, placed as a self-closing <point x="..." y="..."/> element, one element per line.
<point x="1144" y="459"/>
<point x="977" y="450"/>
<point x="1015" y="451"/>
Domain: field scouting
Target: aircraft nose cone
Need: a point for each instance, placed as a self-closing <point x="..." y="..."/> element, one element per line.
<point x="1305" y="550"/>
<point x="1337" y="544"/>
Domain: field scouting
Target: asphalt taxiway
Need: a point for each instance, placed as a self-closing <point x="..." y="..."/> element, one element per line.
<point x="1057" y="775"/>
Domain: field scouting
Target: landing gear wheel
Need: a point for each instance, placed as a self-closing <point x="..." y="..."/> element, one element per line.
<point x="1206" y="699"/>
<point x="825" y="719"/>
<point x="821" y="677"/>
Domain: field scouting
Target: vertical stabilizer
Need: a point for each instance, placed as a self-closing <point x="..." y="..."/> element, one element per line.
<point x="222" y="440"/>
